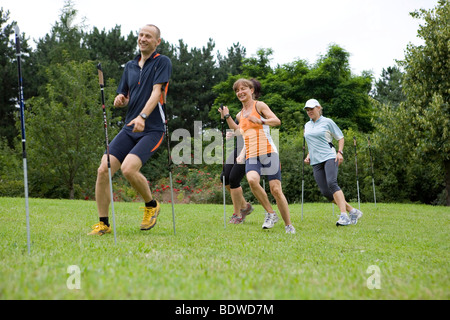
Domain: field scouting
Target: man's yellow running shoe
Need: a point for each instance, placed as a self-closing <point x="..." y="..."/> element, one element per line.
<point x="150" y="215"/>
<point x="99" y="229"/>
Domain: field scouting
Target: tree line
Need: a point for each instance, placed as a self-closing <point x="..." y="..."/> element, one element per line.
<point x="405" y="113"/>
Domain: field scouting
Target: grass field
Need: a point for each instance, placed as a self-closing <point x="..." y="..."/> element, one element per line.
<point x="402" y="250"/>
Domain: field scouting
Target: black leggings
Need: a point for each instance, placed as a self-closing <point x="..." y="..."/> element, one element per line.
<point x="325" y="174"/>
<point x="234" y="172"/>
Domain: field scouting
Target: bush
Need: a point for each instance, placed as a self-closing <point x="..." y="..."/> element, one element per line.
<point x="11" y="171"/>
<point x="190" y="185"/>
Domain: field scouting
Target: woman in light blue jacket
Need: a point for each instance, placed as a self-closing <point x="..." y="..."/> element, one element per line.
<point x="319" y="134"/>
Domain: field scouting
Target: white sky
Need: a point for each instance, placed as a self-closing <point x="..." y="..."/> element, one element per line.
<point x="374" y="32"/>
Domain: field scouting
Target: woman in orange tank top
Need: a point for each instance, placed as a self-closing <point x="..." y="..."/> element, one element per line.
<point x="261" y="153"/>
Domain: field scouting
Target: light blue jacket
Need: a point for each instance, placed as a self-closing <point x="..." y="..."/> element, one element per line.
<point x="319" y="136"/>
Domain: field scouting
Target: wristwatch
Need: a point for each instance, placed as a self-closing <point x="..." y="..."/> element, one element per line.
<point x="227" y="116"/>
<point x="143" y="116"/>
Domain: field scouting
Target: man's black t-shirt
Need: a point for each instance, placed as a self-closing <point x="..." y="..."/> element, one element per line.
<point x="137" y="84"/>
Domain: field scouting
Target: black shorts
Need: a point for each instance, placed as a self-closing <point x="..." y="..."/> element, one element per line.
<point x="233" y="171"/>
<point x="141" y="144"/>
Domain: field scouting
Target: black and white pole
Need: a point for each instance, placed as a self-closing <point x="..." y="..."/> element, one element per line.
<point x="105" y="122"/>
<point x="222" y="122"/>
<point x="357" y="179"/>
<point x="373" y="176"/>
<point x="169" y="156"/>
<point x="22" y="121"/>
<point x="303" y="172"/>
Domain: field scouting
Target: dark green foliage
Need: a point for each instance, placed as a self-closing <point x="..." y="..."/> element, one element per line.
<point x="286" y="89"/>
<point x="8" y="76"/>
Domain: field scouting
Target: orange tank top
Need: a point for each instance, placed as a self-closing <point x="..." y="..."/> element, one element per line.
<point x="256" y="136"/>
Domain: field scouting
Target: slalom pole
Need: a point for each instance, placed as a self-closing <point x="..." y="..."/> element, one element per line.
<point x="373" y="176"/>
<point x="22" y="121"/>
<point x="303" y="172"/>
<point x="105" y="122"/>
<point x="169" y="157"/>
<point x="357" y="179"/>
<point x="222" y="121"/>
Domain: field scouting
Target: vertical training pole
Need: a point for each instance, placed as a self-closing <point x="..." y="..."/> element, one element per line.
<point x="105" y="122"/>
<point x="173" y="204"/>
<point x="222" y="122"/>
<point x="373" y="176"/>
<point x="224" y="205"/>
<point x="357" y="179"/>
<point x="303" y="172"/>
<point x="169" y="157"/>
<point x="22" y="121"/>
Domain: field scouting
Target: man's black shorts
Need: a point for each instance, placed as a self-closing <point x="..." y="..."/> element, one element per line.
<point x="141" y="144"/>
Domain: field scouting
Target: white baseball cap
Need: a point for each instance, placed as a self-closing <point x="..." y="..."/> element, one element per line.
<point x="311" y="103"/>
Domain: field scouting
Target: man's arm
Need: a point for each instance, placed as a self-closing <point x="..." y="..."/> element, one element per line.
<point x="121" y="101"/>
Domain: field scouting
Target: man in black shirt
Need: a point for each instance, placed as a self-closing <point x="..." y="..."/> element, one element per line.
<point x="142" y="85"/>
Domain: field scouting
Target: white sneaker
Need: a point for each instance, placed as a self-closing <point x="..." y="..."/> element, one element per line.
<point x="290" y="229"/>
<point x="275" y="217"/>
<point x="344" y="220"/>
<point x="355" y="214"/>
<point x="270" y="220"/>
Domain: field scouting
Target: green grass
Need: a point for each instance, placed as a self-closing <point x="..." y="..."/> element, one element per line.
<point x="204" y="260"/>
